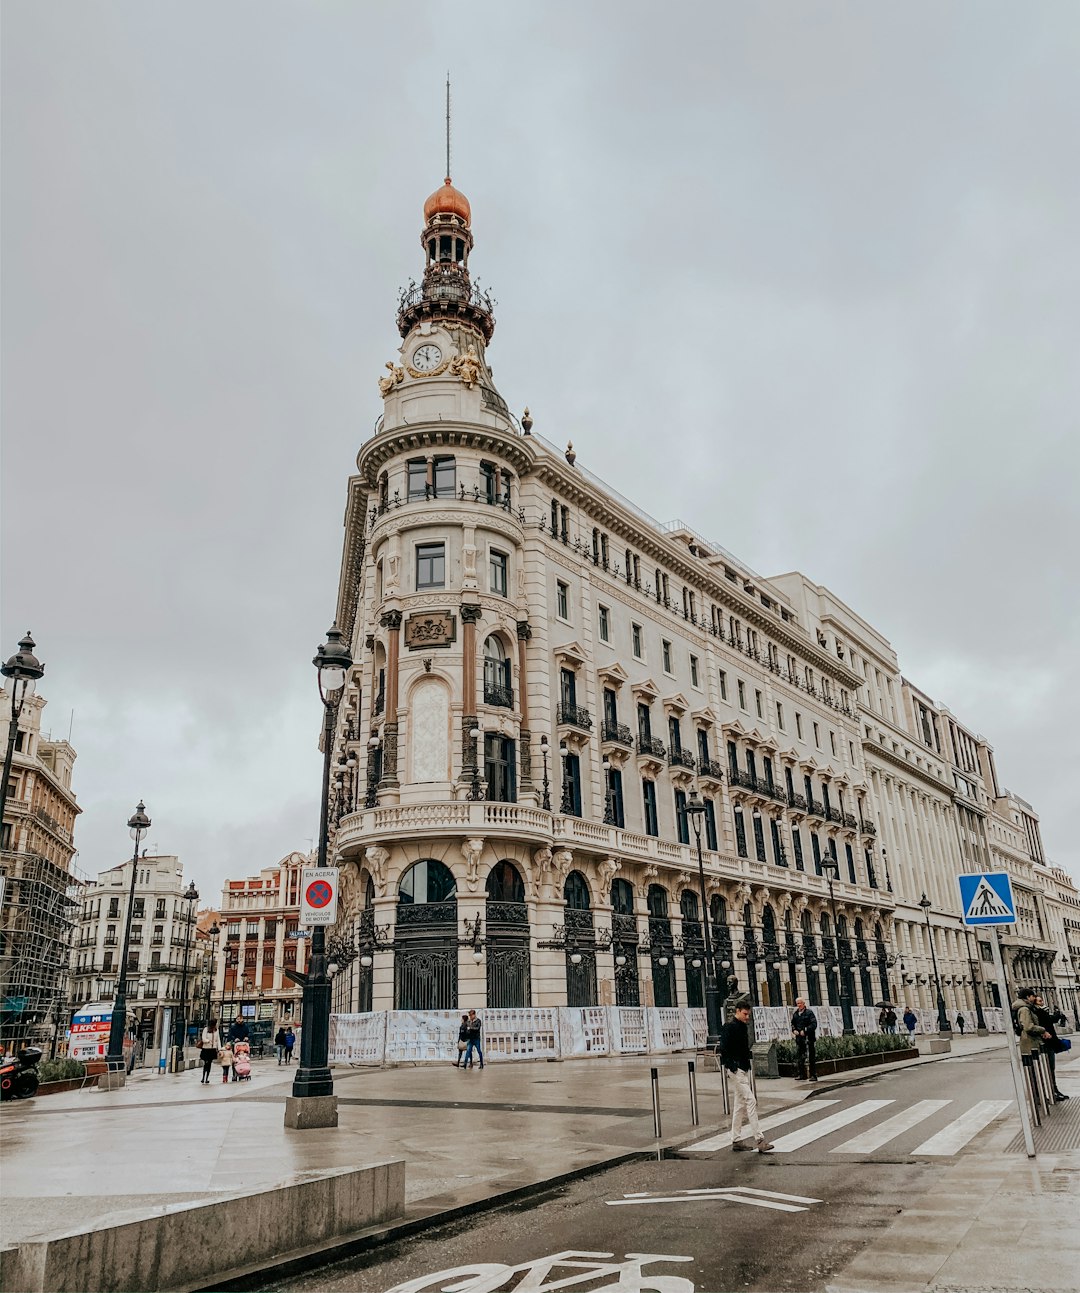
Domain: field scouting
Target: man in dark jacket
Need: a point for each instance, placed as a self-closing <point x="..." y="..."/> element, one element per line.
<point x="734" y="1048"/>
<point x="238" y="1030"/>
<point x="804" y="1028"/>
<point x="473" y="1028"/>
<point x="1048" y="1018"/>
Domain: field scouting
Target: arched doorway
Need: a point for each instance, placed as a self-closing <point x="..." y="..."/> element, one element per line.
<point x="828" y="956"/>
<point x="509" y="977"/>
<point x="662" y="948"/>
<point x="365" y="973"/>
<point x="425" y="958"/>
<point x="580" y="942"/>
<point x="862" y="959"/>
<point x="752" y="953"/>
<point x="693" y="948"/>
<point x="882" y="962"/>
<point x="624" y="944"/>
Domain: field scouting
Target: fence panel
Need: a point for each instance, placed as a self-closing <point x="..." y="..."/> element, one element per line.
<point x="629" y="1030"/>
<point x="525" y="1033"/>
<point x="418" y="1035"/>
<point x="995" y="1018"/>
<point x="666" y="1028"/>
<point x="583" y="1031"/>
<point x="698" y="1026"/>
<point x="358" y="1039"/>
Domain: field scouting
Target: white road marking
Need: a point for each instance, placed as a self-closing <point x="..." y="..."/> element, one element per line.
<point x="957" y="1134"/>
<point x="797" y="1139"/>
<point x="723" y="1141"/>
<point x="877" y="1136"/>
<point x="724" y="1194"/>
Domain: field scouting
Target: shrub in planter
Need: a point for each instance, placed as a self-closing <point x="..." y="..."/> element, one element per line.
<point x="60" y="1070"/>
<point x="839" y="1048"/>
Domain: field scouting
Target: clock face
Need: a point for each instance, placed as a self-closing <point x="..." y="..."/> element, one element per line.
<point x="425" y="358"/>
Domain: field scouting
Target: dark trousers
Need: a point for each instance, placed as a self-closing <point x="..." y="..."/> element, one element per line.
<point x="474" y="1042"/>
<point x="805" y="1056"/>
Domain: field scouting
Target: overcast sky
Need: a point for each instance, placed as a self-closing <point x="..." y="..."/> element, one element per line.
<point x="805" y="275"/>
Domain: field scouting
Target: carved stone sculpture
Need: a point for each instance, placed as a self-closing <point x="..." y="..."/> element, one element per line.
<point x="396" y="375"/>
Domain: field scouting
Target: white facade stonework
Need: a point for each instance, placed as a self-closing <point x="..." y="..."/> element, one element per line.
<point x="492" y="585"/>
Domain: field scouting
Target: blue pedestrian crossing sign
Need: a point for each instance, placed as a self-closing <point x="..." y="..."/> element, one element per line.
<point x="987" y="899"/>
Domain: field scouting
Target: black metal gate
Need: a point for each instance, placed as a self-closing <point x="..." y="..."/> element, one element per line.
<point x="425" y="957"/>
<point x="509" y="976"/>
<point x="581" y="977"/>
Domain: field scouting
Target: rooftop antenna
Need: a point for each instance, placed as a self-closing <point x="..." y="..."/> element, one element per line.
<point x="448" y="127"/>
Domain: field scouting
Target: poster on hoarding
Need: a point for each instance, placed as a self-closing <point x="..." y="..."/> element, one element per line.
<point x="90" y="1032"/>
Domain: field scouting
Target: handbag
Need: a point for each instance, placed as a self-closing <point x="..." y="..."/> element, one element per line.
<point x="1063" y="1044"/>
<point x="461" y="1047"/>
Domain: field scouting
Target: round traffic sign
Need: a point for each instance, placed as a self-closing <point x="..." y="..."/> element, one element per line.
<point x="319" y="894"/>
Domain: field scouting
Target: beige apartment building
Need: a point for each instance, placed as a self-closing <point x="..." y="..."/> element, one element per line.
<point x="546" y="683"/>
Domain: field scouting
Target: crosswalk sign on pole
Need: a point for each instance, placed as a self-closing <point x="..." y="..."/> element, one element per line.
<point x="987" y="899"/>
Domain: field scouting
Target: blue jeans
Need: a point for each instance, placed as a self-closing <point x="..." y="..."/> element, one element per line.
<point x="473" y="1042"/>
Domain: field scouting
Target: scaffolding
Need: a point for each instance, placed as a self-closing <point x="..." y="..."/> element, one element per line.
<point x="39" y="906"/>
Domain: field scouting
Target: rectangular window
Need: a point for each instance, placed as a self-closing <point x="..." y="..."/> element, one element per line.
<point x="674" y="735"/>
<point x="431" y="565"/>
<point x="742" y="694"/>
<point x="777" y="847"/>
<point x="759" y="703"/>
<point x="445" y="478"/>
<point x="694" y="671"/>
<point x="682" y="822"/>
<point x="710" y="826"/>
<point x="832" y="743"/>
<point x="798" y="725"/>
<point x="703" y="746"/>
<point x="253" y="929"/>
<point x="562" y="600"/>
<point x="817" y="736"/>
<point x="740" y="834"/>
<point x="759" y="838"/>
<point x="618" y="812"/>
<point x="723" y="685"/>
<point x="567" y="688"/>
<point x="638" y="644"/>
<point x="780" y="716"/>
<point x="604" y="623"/>
<point x="815" y="845"/>
<point x="138" y="909"/>
<point x="418" y="484"/>
<point x="114" y="908"/>
<point x="489" y="488"/>
<point x="644" y="722"/>
<point x="850" y="864"/>
<point x="851" y="752"/>
<point x="611" y="708"/>
<point x="498" y="573"/>
<point x="733" y="759"/>
<point x="648" y="795"/>
<point x="499" y="768"/>
<point x="796" y="844"/>
<point x="665" y="646"/>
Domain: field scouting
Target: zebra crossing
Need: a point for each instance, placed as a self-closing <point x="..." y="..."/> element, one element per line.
<point x="898" y="1129"/>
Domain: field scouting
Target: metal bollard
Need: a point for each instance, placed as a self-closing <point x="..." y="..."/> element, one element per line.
<point x="655" y="1102"/>
<point x="1033" y="1091"/>
<point x="693" y="1093"/>
<point x="724" y="1089"/>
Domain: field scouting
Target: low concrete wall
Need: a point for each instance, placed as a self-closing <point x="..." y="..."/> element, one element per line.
<point x="184" y="1245"/>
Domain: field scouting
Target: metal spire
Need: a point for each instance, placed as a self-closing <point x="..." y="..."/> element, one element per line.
<point x="448" y="127"/>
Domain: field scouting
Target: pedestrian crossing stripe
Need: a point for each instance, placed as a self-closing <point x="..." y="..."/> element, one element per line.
<point x="987" y="899"/>
<point x="722" y="1194"/>
<point x="949" y="1140"/>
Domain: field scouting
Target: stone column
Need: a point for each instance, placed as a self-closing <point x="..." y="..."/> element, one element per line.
<point x="391" y="621"/>
<point x="524" y="633"/>
<point x="470" y="617"/>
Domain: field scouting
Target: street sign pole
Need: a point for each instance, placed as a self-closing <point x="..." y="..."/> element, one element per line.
<point x="1015" y="1064"/>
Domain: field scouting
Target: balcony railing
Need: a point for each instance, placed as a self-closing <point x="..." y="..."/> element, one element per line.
<point x="850" y="822"/>
<point x="617" y="732"/>
<point x="867" y="827"/>
<point x="815" y="808"/>
<point x="649" y="745"/>
<point x="682" y="759"/>
<point x="494" y="694"/>
<point x="736" y="777"/>
<point x="711" y="768"/>
<point x="796" y="801"/>
<point x="575" y="716"/>
<point x="834" y="814"/>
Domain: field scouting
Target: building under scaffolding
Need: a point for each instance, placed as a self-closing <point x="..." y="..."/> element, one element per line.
<point x="39" y="891"/>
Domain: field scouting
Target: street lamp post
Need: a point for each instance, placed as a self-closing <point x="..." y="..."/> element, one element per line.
<point x="138" y="825"/>
<point x="830" y="869"/>
<point x="695" y="810"/>
<point x="333" y="660"/>
<point x="191" y="897"/>
<point x="213" y="931"/>
<point x="567" y="804"/>
<point x="476" y="790"/>
<point x="545" y="802"/>
<point x="24" y="669"/>
<point x="942" y="1018"/>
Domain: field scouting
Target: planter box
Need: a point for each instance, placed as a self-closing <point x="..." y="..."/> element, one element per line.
<point x="67" y="1084"/>
<point x="826" y="1067"/>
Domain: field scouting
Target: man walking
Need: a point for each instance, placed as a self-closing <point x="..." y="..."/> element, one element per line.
<point x="735" y="1054"/>
<point x="804" y="1027"/>
<point x="961" y="1022"/>
<point x="473" y="1028"/>
<point x="910" y="1023"/>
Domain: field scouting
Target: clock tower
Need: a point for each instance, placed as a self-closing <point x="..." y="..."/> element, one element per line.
<point x="445" y="323"/>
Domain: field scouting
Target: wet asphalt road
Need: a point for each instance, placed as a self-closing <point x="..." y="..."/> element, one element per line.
<point x="835" y="1205"/>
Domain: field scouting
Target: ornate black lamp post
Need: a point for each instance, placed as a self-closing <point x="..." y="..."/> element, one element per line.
<point x="476" y="790"/>
<point x="138" y="825"/>
<point x="213" y="931"/>
<point x="830" y="869"/>
<point x="695" y="810"/>
<point x="24" y="669"/>
<point x="567" y="804"/>
<point x="333" y="660"/>
<point x="942" y="1018"/>
<point x="191" y="897"/>
<point x="545" y="802"/>
<point x="609" y="808"/>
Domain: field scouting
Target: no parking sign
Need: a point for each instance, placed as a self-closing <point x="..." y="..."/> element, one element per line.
<point x="318" y="895"/>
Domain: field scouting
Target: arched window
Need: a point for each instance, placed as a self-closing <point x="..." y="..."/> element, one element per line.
<point x="576" y="892"/>
<point x="718" y="907"/>
<point x="497" y="689"/>
<point x="622" y="897"/>
<point x="427" y="881"/>
<point x="826" y="927"/>
<point x="688" y="903"/>
<point x="658" y="901"/>
<point x="807" y="922"/>
<point x="504" y="883"/>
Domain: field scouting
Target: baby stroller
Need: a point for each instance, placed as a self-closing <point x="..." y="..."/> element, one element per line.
<point x="242" y="1062"/>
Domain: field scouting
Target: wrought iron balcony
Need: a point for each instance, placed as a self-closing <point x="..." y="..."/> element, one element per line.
<point x="617" y="732"/>
<point x="776" y="792"/>
<point x="867" y="827"/>
<point x="495" y="694"/>
<point x="380" y="703"/>
<point x="623" y="927"/>
<point x="575" y="716"/>
<point x="797" y="801"/>
<point x="649" y="745"/>
<point x="834" y="814"/>
<point x="815" y="808"/>
<point x="736" y="777"/>
<point x="850" y="822"/>
<point x="712" y="769"/>
<point x="506" y="913"/>
<point x="682" y="759"/>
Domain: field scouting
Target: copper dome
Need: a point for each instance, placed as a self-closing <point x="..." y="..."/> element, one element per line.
<point x="447" y="201"/>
